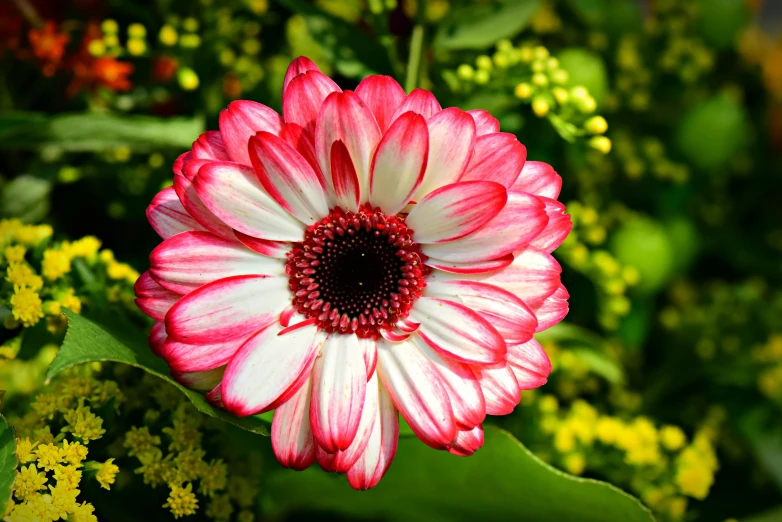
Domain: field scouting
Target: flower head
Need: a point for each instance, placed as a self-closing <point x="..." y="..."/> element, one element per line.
<point x="365" y="254"/>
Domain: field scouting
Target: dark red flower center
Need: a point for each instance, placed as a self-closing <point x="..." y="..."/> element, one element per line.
<point x="356" y="272"/>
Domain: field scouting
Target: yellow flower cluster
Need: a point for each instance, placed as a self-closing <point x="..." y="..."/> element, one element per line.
<point x="770" y="377"/>
<point x="51" y="467"/>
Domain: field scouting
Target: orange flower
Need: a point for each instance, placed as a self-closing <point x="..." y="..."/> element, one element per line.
<point x="164" y="68"/>
<point x="48" y="46"/>
<point x="90" y="72"/>
<point x="112" y="73"/>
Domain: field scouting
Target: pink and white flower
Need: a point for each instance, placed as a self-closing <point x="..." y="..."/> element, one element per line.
<point x="364" y="255"/>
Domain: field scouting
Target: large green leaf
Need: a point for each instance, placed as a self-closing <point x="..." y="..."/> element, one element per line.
<point x="96" y="131"/>
<point x="85" y="342"/>
<point x="7" y="460"/>
<point x="480" y="26"/>
<point x="502" y="481"/>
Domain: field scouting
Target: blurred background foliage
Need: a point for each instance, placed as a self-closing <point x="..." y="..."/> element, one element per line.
<point x="664" y="118"/>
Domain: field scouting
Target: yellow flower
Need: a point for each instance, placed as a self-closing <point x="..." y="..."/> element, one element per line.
<point x="190" y="463"/>
<point x="139" y="441"/>
<point x="67" y="477"/>
<point x="83" y="513"/>
<point x="24" y="450"/>
<point x="84" y="424"/>
<point x="70" y="301"/>
<point x="48" y="456"/>
<point x="672" y="438"/>
<point x="20" y="274"/>
<point x="63" y="499"/>
<point x="55" y="264"/>
<point x="182" y="501"/>
<point x="86" y="247"/>
<point x="575" y="463"/>
<point x="106" y="473"/>
<point x="14" y="254"/>
<point x="608" y="429"/>
<point x="214" y="477"/>
<point x="73" y="453"/>
<point x="26" y="306"/>
<point x="21" y="513"/>
<point x="29" y="481"/>
<point x="33" y="234"/>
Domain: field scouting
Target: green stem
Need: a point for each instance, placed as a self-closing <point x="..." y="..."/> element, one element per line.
<point x="414" y="60"/>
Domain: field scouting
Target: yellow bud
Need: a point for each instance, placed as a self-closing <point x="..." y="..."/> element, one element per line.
<point x="579" y="93"/>
<point x="465" y="72"/>
<point x="596" y="125"/>
<point x="482" y="77"/>
<point x="168" y="35"/>
<point x="96" y="48"/>
<point x="137" y="46"/>
<point x="526" y="54"/>
<point x="560" y="94"/>
<point x="137" y="31"/>
<point x="523" y="91"/>
<point x="587" y="105"/>
<point x="540" y="107"/>
<point x="188" y="79"/>
<point x="109" y="26"/>
<point x="539" y="80"/>
<point x="484" y="62"/>
<point x="190" y="41"/>
<point x="190" y="24"/>
<point x="504" y="45"/>
<point x="111" y="40"/>
<point x="560" y="76"/>
<point x="501" y="60"/>
<point x="601" y="144"/>
<point x="552" y="64"/>
<point x="540" y="52"/>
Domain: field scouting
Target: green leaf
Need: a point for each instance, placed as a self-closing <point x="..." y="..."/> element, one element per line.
<point x="96" y="131"/>
<point x="8" y="460"/>
<point x="86" y="342"/>
<point x="502" y="481"/>
<point x="480" y="26"/>
<point x="26" y="197"/>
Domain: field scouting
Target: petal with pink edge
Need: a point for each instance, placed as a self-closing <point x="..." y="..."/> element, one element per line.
<point x="339" y="382"/>
<point x="420" y="102"/>
<point x="292" y="440"/>
<point x="399" y="163"/>
<point x="277" y="249"/>
<point x="521" y="219"/>
<point x="498" y="157"/>
<point x="453" y="211"/>
<point x="381" y="446"/>
<point x="233" y="193"/>
<point x="451" y="144"/>
<point x="457" y="332"/>
<point x="184" y="357"/>
<point x="553" y="309"/>
<point x="266" y="366"/>
<point x="382" y="94"/>
<point x="558" y="227"/>
<point x="485" y="123"/>
<point x="298" y="66"/>
<point x="369" y="348"/>
<point x="500" y="388"/>
<point x="288" y="178"/>
<point x="153" y="299"/>
<point x="167" y="215"/>
<point x="343" y="177"/>
<point x="240" y="121"/>
<point x="467" y="442"/>
<point x="469" y="408"/>
<point x="191" y="259"/>
<point x="210" y="146"/>
<point x="157" y="337"/>
<point x="508" y="314"/>
<point x="345" y="117"/>
<point x="540" y="179"/>
<point x="226" y="309"/>
<point x="303" y="99"/>
<point x="196" y="208"/>
<point x="418" y="391"/>
<point x="304" y="143"/>
<point x="479" y="267"/>
<point x="530" y="364"/>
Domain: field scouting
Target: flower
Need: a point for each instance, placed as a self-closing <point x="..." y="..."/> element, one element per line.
<point x="48" y="46"/>
<point x="364" y="254"/>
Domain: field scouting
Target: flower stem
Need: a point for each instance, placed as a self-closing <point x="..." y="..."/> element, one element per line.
<point x="414" y="60"/>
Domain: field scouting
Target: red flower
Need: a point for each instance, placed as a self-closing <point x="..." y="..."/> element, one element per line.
<point x="90" y="72"/>
<point x="164" y="68"/>
<point x="48" y="46"/>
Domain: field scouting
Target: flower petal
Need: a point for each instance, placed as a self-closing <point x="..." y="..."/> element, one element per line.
<point x="553" y="309"/>
<point x="399" y="163"/>
<point x="508" y="314"/>
<point x="233" y="193"/>
<point x="304" y="96"/>
<point x="210" y="146"/>
<point x="382" y="94"/>
<point x="369" y="348"/>
<point x="500" y="388"/>
<point x="157" y="337"/>
<point x="540" y="179"/>
<point x="467" y="442"/>
<point x="451" y="144"/>
<point x="558" y="227"/>
<point x="457" y="332"/>
<point x="153" y="299"/>
<point x="167" y="215"/>
<point x="530" y="364"/>
<point x="229" y="308"/>
<point x="191" y="259"/>
<point x="342" y="461"/>
<point x="304" y="143"/>
<point x="453" y="211"/>
<point x="418" y="391"/>
<point x="196" y="208"/>
<point x="339" y="382"/>
<point x="292" y="440"/>
<point x="288" y="178"/>
<point x="420" y="102"/>
<point x="183" y="357"/>
<point x="266" y="366"/>
<point x="381" y="446"/>
<point x="471" y="268"/>
<point x="498" y="157"/>
<point x="464" y="392"/>
<point x="240" y="121"/>
<point x="485" y="123"/>
<point x="298" y="66"/>
<point x="344" y="178"/>
<point x="345" y="117"/>
<point x="521" y="219"/>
